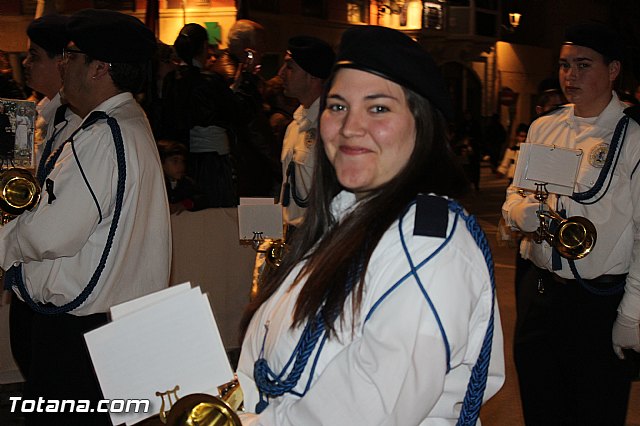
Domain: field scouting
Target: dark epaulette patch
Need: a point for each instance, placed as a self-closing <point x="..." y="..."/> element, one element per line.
<point x="633" y="112"/>
<point x="432" y="216"/>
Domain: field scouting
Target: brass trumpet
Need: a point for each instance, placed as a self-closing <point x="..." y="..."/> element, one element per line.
<point x="573" y="238"/>
<point x="201" y="409"/>
<point x="19" y="191"/>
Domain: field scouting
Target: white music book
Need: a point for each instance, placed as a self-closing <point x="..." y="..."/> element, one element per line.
<point x="156" y="342"/>
<point x="547" y="164"/>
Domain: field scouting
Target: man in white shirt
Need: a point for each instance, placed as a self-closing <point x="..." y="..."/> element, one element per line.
<point x="47" y="38"/>
<point x="307" y="64"/>
<point x="100" y="234"/>
<point x="577" y="316"/>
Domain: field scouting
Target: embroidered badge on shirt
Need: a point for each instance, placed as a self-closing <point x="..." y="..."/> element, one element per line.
<point x="310" y="137"/>
<point x="598" y="155"/>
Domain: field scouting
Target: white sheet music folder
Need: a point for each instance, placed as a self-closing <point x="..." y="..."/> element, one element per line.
<point x="557" y="167"/>
<point x="174" y="341"/>
<point x="259" y="215"/>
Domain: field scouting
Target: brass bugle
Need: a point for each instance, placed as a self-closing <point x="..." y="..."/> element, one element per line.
<point x="573" y="237"/>
<point x="201" y="409"/>
<point x="19" y="191"/>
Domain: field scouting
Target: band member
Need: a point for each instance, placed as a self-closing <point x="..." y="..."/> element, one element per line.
<point x="100" y="234"/>
<point x="571" y="310"/>
<point x="383" y="305"/>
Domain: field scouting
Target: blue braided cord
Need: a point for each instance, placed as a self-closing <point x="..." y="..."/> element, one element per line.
<point x="478" y="381"/>
<point x="313" y="368"/>
<point x="82" y="297"/>
<point x="414" y="272"/>
<point x="271" y="385"/>
<point x="616" y="289"/>
<point x="618" y="135"/>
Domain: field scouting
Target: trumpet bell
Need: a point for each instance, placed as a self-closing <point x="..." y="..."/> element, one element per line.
<point x="575" y="237"/>
<point x="202" y="410"/>
<point x="275" y="253"/>
<point x="19" y="191"/>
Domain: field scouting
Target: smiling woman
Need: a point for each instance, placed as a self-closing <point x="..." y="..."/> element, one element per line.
<point x="384" y="304"/>
<point x="368" y="130"/>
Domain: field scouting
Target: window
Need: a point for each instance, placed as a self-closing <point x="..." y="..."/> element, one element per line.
<point x="432" y="15"/>
<point x="356" y="11"/>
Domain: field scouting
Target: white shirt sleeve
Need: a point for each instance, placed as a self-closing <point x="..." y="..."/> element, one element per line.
<point x="70" y="219"/>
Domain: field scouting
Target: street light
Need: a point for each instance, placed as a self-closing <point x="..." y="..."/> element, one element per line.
<point x="514" y="19"/>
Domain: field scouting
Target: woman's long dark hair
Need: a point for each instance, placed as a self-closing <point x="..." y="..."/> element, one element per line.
<point x="331" y="249"/>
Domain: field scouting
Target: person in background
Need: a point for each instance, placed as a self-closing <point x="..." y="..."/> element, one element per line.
<point x="384" y="302"/>
<point x="164" y="61"/>
<point x="181" y="189"/>
<point x="258" y="156"/>
<point x="100" y="234"/>
<point x="576" y="317"/>
<point x="279" y="108"/>
<point x="8" y="87"/>
<point x="549" y="100"/>
<point x="307" y="65"/>
<point x="47" y="39"/>
<point x="495" y="141"/>
<point x="200" y="111"/>
<point x="508" y="164"/>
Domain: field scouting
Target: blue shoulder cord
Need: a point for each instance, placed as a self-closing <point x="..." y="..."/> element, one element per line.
<point x="15" y="273"/>
<point x="480" y="372"/>
<point x="584" y="198"/>
<point x="270" y="385"/>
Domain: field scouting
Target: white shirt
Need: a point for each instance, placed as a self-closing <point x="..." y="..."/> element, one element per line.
<point x="60" y="132"/>
<point x="60" y="243"/>
<point x="616" y="215"/>
<point x="392" y="371"/>
<point x="298" y="146"/>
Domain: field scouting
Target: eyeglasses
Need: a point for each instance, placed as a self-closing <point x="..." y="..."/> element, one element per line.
<point x="70" y="51"/>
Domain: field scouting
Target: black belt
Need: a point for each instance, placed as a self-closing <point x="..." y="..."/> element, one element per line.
<point x="601" y="281"/>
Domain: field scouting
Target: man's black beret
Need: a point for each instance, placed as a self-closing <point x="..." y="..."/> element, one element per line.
<point x="598" y="37"/>
<point x="395" y="56"/>
<point x="111" y="36"/>
<point x="49" y="32"/>
<point x="313" y="55"/>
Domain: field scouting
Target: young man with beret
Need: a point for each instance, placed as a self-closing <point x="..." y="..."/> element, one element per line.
<point x="100" y="234"/>
<point x="577" y="317"/>
<point x="47" y="39"/>
<point x="307" y="64"/>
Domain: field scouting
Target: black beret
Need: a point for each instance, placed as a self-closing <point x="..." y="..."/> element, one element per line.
<point x="395" y="56"/>
<point x="598" y="37"/>
<point x="312" y="55"/>
<point x="111" y="36"/>
<point x="49" y="32"/>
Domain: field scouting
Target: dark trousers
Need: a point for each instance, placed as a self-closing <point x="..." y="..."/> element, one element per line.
<point x="52" y="355"/>
<point x="567" y="370"/>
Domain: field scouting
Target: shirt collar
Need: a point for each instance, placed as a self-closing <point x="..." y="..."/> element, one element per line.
<point x="307" y="117"/>
<point x="607" y="119"/>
